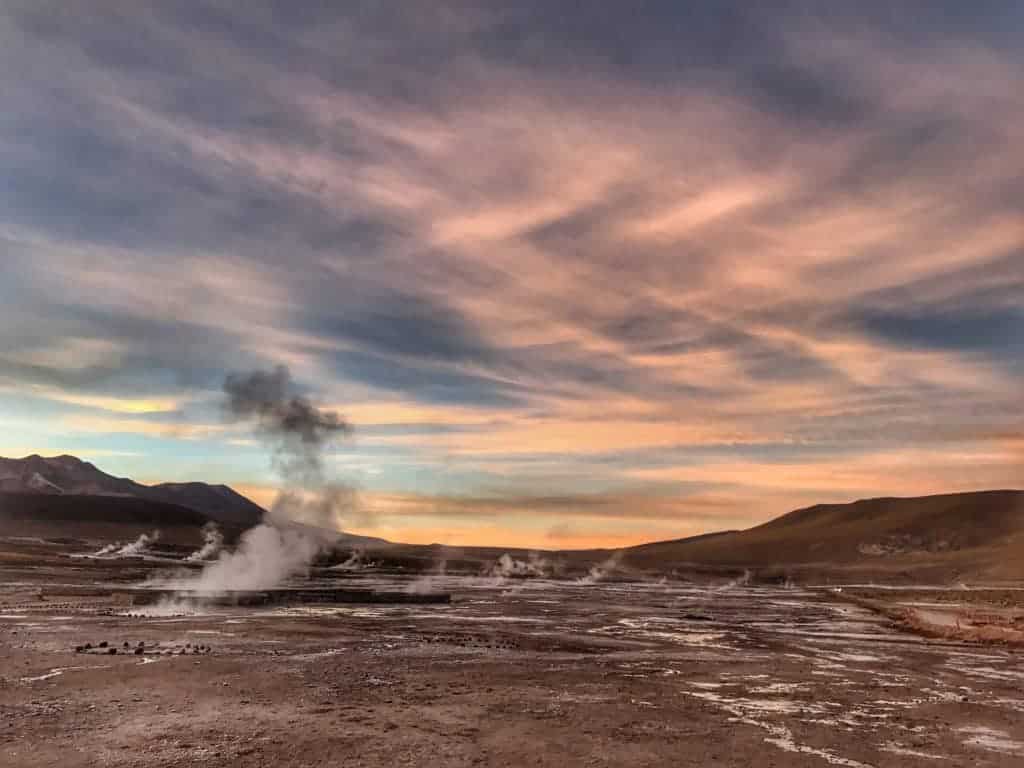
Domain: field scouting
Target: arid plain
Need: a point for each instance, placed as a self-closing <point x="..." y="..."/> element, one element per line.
<point x="591" y="670"/>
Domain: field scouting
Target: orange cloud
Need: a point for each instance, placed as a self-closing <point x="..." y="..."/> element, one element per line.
<point x="123" y="425"/>
<point x="644" y="267"/>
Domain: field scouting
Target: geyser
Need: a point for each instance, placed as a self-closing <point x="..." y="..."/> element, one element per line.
<point x="309" y="510"/>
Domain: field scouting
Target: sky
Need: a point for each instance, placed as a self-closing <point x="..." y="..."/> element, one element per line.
<point x="578" y="274"/>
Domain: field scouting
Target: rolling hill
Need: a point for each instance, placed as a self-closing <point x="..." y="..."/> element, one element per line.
<point x="979" y="534"/>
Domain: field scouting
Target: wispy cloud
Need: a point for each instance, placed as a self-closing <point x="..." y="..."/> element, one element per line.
<point x="530" y="248"/>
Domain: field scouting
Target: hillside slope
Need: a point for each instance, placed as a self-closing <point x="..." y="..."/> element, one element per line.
<point x="220" y="502"/>
<point x="70" y="517"/>
<point x="978" y="534"/>
<point x="69" y="475"/>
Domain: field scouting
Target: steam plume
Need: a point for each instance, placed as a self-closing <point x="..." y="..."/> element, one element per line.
<point x="137" y="547"/>
<point x="212" y="542"/>
<point x="294" y="531"/>
<point x="602" y="571"/>
<point x="266" y="555"/>
<point x="353" y="563"/>
<point x="739" y="581"/>
<point x="295" y="427"/>
<point x="507" y="566"/>
<point x="428" y="582"/>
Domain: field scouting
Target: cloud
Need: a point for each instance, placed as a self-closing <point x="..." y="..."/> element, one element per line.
<point x="593" y="520"/>
<point x="533" y="244"/>
<point x="83" y="423"/>
<point x="972" y="329"/>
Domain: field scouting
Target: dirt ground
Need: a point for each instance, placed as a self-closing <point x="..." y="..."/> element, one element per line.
<point x="991" y="615"/>
<point x="512" y="673"/>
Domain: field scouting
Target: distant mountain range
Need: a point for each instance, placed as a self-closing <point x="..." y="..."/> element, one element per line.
<point x="70" y="476"/>
<point x="932" y="539"/>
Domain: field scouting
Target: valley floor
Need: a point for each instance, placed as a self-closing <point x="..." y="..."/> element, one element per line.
<point x="511" y="673"/>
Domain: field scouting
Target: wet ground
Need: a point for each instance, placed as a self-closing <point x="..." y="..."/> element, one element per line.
<point x="511" y="673"/>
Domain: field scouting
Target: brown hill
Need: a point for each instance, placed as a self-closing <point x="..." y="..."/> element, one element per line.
<point x="115" y="518"/>
<point x="69" y="475"/>
<point x="976" y="535"/>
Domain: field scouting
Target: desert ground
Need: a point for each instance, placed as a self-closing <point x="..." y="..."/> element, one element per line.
<point x="512" y="672"/>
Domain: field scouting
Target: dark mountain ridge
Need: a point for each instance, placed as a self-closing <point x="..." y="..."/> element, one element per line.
<point x="69" y="475"/>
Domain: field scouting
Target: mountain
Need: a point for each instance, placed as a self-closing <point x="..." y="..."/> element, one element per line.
<point x="69" y="475"/>
<point x="110" y="511"/>
<point x="977" y="535"/>
<point x="220" y="502"/>
<point x="946" y="536"/>
<point x="61" y="474"/>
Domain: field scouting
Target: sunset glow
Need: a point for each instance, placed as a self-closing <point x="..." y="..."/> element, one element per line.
<point x="567" y="297"/>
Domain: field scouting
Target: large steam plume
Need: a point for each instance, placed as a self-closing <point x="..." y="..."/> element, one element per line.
<point x="294" y="426"/>
<point x="266" y="555"/>
<point x="309" y="510"/>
